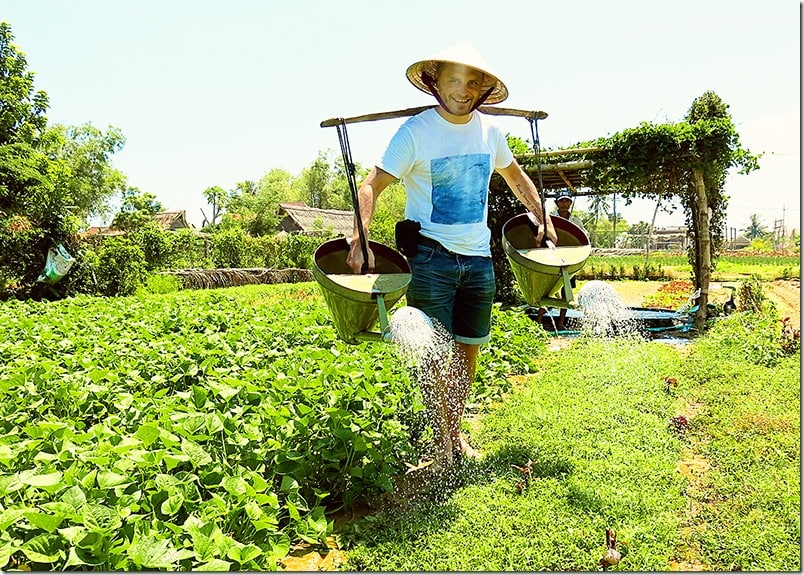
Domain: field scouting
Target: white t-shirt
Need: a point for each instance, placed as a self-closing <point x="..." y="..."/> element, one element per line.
<point x="446" y="169"/>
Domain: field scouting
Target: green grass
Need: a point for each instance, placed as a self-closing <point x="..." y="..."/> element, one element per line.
<point x="668" y="265"/>
<point x="595" y="422"/>
<point x="748" y="506"/>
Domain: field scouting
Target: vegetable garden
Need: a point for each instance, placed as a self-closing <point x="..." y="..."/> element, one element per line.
<point x="198" y="429"/>
<point x="222" y="429"/>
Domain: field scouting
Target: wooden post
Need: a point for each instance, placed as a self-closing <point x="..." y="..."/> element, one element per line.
<point x="704" y="247"/>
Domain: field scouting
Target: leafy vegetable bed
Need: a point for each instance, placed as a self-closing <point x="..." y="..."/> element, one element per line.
<point x="200" y="430"/>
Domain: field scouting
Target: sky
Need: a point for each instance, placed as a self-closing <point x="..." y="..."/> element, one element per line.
<point x="212" y="92"/>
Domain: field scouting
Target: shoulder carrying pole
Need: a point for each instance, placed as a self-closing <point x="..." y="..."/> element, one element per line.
<point x="490" y="110"/>
<point x="340" y="123"/>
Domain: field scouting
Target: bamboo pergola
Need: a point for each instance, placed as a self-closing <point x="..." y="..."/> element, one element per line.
<point x="558" y="174"/>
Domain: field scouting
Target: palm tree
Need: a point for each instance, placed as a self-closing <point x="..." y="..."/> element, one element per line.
<point x="756" y="229"/>
<point x="599" y="205"/>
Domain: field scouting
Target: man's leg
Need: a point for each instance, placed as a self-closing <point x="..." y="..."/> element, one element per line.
<point x="562" y="315"/>
<point x="459" y="382"/>
<point x="540" y="316"/>
<point x="434" y="378"/>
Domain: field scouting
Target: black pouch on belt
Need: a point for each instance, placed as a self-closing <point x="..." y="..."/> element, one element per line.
<point x="407" y="237"/>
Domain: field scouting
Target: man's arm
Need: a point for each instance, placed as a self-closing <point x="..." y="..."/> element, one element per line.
<point x="526" y="192"/>
<point x="370" y="189"/>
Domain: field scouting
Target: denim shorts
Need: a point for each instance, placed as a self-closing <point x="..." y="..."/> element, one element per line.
<point x="456" y="290"/>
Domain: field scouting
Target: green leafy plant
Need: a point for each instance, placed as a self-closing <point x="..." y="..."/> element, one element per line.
<point x="206" y="429"/>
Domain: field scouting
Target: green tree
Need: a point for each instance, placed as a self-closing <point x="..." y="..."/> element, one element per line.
<point x="255" y="206"/>
<point x="137" y="209"/>
<point x="517" y="145"/>
<point x="316" y="181"/>
<point x="638" y="235"/>
<point x="389" y="210"/>
<point x="154" y="243"/>
<point x="756" y="229"/>
<point x="52" y="179"/>
<point x="246" y="188"/>
<point x="599" y="206"/>
<point x="33" y="214"/>
<point x="217" y="198"/>
<point x="22" y="110"/>
<point x="121" y="267"/>
<point x="88" y="181"/>
<point x="325" y="183"/>
<point x="340" y="195"/>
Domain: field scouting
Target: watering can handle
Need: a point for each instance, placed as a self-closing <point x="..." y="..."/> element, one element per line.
<point x="535" y="227"/>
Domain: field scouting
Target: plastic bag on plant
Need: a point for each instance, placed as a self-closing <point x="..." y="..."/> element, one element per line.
<point x="57" y="265"/>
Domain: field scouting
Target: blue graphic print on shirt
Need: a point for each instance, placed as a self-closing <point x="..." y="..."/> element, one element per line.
<point x="460" y="188"/>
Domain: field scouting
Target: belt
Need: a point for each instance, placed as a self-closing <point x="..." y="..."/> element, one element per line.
<point x="425" y="241"/>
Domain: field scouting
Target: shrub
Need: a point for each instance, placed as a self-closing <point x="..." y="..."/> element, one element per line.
<point x="161" y="284"/>
<point x="752" y="295"/>
<point x="154" y="243"/>
<point x="188" y="250"/>
<point x="790" y="339"/>
<point x="228" y="248"/>
<point x="298" y="250"/>
<point x="121" y="267"/>
<point x="82" y="278"/>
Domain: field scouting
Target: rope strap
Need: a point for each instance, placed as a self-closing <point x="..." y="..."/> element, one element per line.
<point x="351" y="178"/>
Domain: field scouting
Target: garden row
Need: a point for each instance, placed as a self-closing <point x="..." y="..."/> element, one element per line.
<point x="209" y="429"/>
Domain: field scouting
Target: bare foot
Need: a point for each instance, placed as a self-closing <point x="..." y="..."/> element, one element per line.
<point x="466" y="450"/>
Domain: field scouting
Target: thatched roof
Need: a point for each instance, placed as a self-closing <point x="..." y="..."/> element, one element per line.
<point x="172" y="220"/>
<point x="300" y="218"/>
<point x="560" y="169"/>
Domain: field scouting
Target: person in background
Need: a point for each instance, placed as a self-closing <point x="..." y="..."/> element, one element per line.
<point x="445" y="157"/>
<point x="563" y="210"/>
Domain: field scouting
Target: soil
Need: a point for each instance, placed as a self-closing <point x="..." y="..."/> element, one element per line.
<point x="787" y="295"/>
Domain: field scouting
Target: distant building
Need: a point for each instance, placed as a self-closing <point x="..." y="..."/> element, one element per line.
<point x="168" y="221"/>
<point x="299" y="218"/>
<point x="173" y="220"/>
<point x="671" y="238"/>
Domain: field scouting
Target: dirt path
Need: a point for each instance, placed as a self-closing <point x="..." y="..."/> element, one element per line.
<point x="787" y="295"/>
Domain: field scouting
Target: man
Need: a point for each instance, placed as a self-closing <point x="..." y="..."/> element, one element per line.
<point x="564" y="210"/>
<point x="445" y="157"/>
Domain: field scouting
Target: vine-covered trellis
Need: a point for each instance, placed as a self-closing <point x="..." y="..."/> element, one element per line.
<point x="686" y="162"/>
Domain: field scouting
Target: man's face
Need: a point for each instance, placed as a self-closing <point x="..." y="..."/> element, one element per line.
<point x="564" y="204"/>
<point x="459" y="87"/>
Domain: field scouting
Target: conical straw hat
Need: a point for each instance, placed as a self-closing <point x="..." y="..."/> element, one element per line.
<point x="463" y="54"/>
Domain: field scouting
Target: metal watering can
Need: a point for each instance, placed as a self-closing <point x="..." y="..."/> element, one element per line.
<point x="358" y="301"/>
<point x="542" y="272"/>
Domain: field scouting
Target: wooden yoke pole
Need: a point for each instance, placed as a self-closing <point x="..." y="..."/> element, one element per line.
<point x="490" y="110"/>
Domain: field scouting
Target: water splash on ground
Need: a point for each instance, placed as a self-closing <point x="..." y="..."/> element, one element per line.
<point x="604" y="314"/>
<point x="427" y="348"/>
